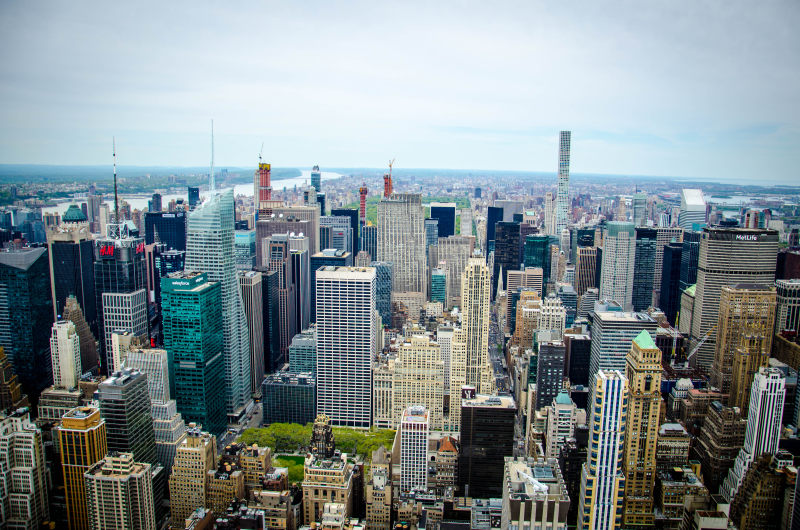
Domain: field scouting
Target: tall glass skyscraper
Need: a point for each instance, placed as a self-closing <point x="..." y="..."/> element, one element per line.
<point x="562" y="198"/>
<point x="644" y="268"/>
<point x="193" y="340"/>
<point x="210" y="249"/>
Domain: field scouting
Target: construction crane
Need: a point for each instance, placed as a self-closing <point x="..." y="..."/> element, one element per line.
<point x="538" y="487"/>
<point x="702" y="341"/>
<point x="387" y="180"/>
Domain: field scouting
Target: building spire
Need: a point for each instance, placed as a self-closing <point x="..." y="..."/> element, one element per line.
<point x="116" y="199"/>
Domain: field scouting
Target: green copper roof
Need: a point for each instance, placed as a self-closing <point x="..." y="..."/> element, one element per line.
<point x="563" y="398"/>
<point x="73" y="215"/>
<point x="644" y="340"/>
<point x="691" y="289"/>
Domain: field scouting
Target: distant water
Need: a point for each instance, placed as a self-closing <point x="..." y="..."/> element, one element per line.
<point x="139" y="201"/>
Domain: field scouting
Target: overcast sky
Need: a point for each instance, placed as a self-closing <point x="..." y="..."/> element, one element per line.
<point x="676" y="88"/>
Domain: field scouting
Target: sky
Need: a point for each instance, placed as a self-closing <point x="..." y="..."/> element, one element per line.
<point x="685" y="88"/>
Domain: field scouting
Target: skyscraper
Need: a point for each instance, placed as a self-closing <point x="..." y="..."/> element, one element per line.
<point x="763" y="426"/>
<point x="643" y="373"/>
<point x="744" y="339"/>
<point x="303" y="352"/>
<point x="431" y="232"/>
<point x="445" y="213"/>
<point x="639" y="209"/>
<point x="669" y="292"/>
<point x="586" y="260"/>
<point x="125" y="407"/>
<point x="602" y="479"/>
<point x="25" y="312"/>
<point x="453" y="252"/>
<point x="487" y="437"/>
<point x="346" y="335"/>
<point x="278" y="261"/>
<point x="414" y="430"/>
<point x="401" y="240"/>
<point x="245" y="249"/>
<point x="383" y="290"/>
<point x="664" y="237"/>
<point x="194" y="197"/>
<point x="644" y="268"/>
<point x="73" y="313"/>
<point x="537" y="254"/>
<point x="82" y="442"/>
<point x="549" y="372"/>
<point x="325" y="258"/>
<point x="193" y="339"/>
<point x="316" y="178"/>
<point x="24" y="472"/>
<point x="119" y="493"/>
<point x="494" y="215"/>
<point x="209" y="249"/>
<point x="788" y="314"/>
<point x="69" y="247"/>
<point x="470" y="363"/>
<point x="506" y="252"/>
<point x="693" y="209"/>
<point x="690" y="255"/>
<point x="352" y="214"/>
<point x="166" y="227"/>
<point x="619" y="264"/>
<point x="728" y="256"/>
<point x="196" y="455"/>
<point x="612" y="333"/>
<point x="562" y="196"/>
<point x="65" y="355"/>
<point x="121" y="289"/>
<point x="250" y="288"/>
<point x="439" y="285"/>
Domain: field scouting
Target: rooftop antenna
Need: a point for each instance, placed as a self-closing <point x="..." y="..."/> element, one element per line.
<point x="211" y="183"/>
<point x="116" y="199"/>
<point x="260" y="153"/>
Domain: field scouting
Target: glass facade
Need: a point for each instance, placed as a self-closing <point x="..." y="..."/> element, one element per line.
<point x="289" y="398"/>
<point x="166" y="227"/>
<point x="537" y="254"/>
<point x="644" y="268"/>
<point x="193" y="339"/>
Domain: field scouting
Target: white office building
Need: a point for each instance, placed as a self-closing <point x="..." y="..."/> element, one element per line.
<point x="346" y="343"/>
<point x="414" y="433"/>
<point x="401" y="240"/>
<point x="65" y="354"/>
<point x="123" y="312"/>
<point x="693" y="209"/>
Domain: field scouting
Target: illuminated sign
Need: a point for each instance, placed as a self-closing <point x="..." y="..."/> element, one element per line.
<point x="106" y="250"/>
<point x="140" y="248"/>
<point x="746" y="237"/>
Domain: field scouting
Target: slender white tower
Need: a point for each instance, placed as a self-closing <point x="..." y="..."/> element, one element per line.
<point x="562" y="197"/>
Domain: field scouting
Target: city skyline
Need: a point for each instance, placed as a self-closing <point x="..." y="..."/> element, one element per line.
<point x="646" y="91"/>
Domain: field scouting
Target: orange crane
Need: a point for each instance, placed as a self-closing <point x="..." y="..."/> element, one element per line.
<point x="387" y="180"/>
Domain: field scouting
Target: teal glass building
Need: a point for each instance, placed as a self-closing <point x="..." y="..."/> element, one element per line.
<point x="192" y="325"/>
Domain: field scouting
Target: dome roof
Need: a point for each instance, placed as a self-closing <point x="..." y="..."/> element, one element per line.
<point x="73" y="215"/>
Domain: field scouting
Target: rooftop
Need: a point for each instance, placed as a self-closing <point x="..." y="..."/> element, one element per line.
<point x="645" y="341"/>
<point x="21" y="258"/>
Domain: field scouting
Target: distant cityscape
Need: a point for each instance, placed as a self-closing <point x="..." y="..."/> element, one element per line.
<point x="342" y="349"/>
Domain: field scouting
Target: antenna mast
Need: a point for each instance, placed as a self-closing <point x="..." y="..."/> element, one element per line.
<point x="116" y="199"/>
<point x="211" y="183"/>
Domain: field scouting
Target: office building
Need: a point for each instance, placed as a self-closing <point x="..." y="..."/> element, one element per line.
<point x="534" y="494"/>
<point x="690" y="257"/>
<point x="65" y="354"/>
<point x="445" y="214"/>
<point x="669" y="291"/>
<point x="431" y="232"/>
<point x="338" y="234"/>
<point x="301" y="275"/>
<point x="451" y="254"/>
<point x="280" y="224"/>
<point x="289" y="398"/>
<point x="414" y="431"/>
<point x="417" y="378"/>
<point x="192" y="326"/>
<point x="383" y="290"/>
<point x="88" y="345"/>
<point x="487" y="437"/>
<point x="465" y="225"/>
<point x="693" y="209"/>
<point x="303" y="352"/>
<point x="278" y="261"/>
<point x="120" y="288"/>
<point x="329" y="257"/>
<point x="728" y="256"/>
<point x="664" y="237"/>
<point x="369" y="240"/>
<point x="602" y="478"/>
<point x="787" y="317"/>
<point x="744" y="339"/>
<point x="168" y="228"/>
<point x="562" y="418"/>
<point x="346" y="342"/>
<point x="579" y="347"/>
<point x="643" y="372"/>
<point x="585" y="268"/>
<point x="719" y="440"/>
<point x="24" y="472"/>
<point x="569" y="298"/>
<point x="352" y="215"/>
<point x="119" y="493"/>
<point x="612" y="333"/>
<point x="125" y="406"/>
<point x="11" y="396"/>
<point x="639" y="209"/>
<point x="196" y="455"/>
<point x="562" y="206"/>
<point x="251" y="290"/>
<point x="82" y="443"/>
<point x="210" y="249"/>
<point x="494" y="215"/>
<point x="26" y="306"/>
<point x="619" y="264"/>
<point x="194" y="197"/>
<point x="549" y="372"/>
<point x="379" y="490"/>
<point x="536" y="253"/>
<point x="401" y="240"/>
<point x="506" y="252"/>
<point x="244" y="249"/>
<point x="69" y="249"/>
<point x="644" y="268"/>
<point x="763" y="426"/>
<point x="439" y="285"/>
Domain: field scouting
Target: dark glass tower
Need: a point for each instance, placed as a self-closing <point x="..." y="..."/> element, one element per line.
<point x="26" y="314"/>
<point x="487" y="437"/>
<point x="690" y="256"/>
<point x="670" y="281"/>
<point x="644" y="268"/>
<point x="506" y="252"/>
<point x="193" y="340"/>
<point x="72" y="271"/>
<point x="537" y="254"/>
<point x="446" y="215"/>
<point x="166" y="227"/>
<point x="494" y="215"/>
<point x="194" y="197"/>
<point x="383" y="290"/>
<point x="352" y="214"/>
